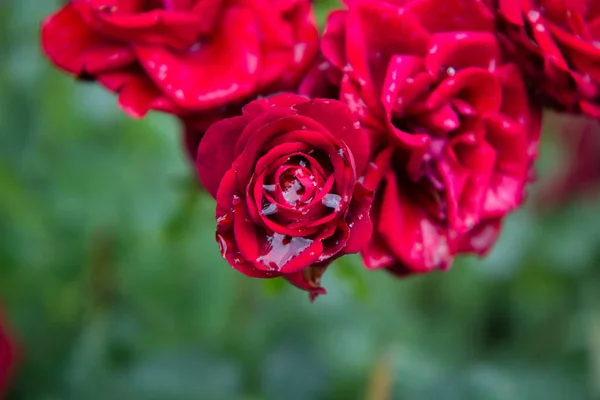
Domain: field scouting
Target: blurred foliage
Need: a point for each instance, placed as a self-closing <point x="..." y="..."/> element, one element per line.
<point x="112" y="278"/>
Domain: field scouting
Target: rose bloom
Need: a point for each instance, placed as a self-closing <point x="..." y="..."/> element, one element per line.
<point x="287" y="185"/>
<point x="182" y="56"/>
<point x="557" y="44"/>
<point x="453" y="132"/>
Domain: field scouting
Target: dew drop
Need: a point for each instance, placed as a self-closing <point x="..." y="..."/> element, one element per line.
<point x="331" y="200"/>
<point x="280" y="249"/>
<point x="237" y="259"/>
<point x="270" y="209"/>
<point x="223" y="219"/>
<point x="222" y="244"/>
<point x="269" y="188"/>
<point x="533" y="16"/>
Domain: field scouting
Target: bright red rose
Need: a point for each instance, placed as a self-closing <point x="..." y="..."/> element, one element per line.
<point x="557" y="44"/>
<point x="287" y="186"/>
<point x="453" y="132"/>
<point x="8" y="357"/>
<point x="183" y="56"/>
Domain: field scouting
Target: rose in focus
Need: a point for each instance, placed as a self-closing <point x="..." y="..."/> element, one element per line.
<point x="287" y="185"/>
<point x="557" y="44"/>
<point x="183" y="56"/>
<point x="453" y="132"/>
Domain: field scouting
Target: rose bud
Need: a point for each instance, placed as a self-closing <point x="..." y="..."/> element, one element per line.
<point x="183" y="56"/>
<point x="285" y="175"/>
<point x="557" y="45"/>
<point x="453" y="133"/>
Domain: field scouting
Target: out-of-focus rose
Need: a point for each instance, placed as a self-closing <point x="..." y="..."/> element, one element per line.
<point x="287" y="186"/>
<point x="8" y="357"/>
<point x="579" y="172"/>
<point x="453" y="134"/>
<point x="183" y="56"/>
<point x="557" y="44"/>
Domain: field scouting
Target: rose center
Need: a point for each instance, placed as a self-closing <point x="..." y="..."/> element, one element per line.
<point x="292" y="189"/>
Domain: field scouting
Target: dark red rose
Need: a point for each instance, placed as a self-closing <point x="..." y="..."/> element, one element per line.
<point x="183" y="56"/>
<point x="196" y="125"/>
<point x="557" y="44"/>
<point x="8" y="357"/>
<point x="579" y="172"/>
<point x="453" y="132"/>
<point x="287" y="186"/>
<point x="321" y="80"/>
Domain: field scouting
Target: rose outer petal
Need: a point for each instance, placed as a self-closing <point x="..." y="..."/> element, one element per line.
<point x="74" y="47"/>
<point x="344" y="126"/>
<point x="214" y="158"/>
<point x="198" y="80"/>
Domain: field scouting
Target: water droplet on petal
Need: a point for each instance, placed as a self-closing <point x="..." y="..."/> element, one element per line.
<point x="270" y="209"/>
<point x="222" y="244"/>
<point x="292" y="192"/>
<point x="533" y="15"/>
<point x="281" y="249"/>
<point x="331" y="200"/>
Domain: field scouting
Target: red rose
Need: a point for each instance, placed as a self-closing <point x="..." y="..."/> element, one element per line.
<point x="557" y="44"/>
<point x="183" y="56"/>
<point x="452" y="130"/>
<point x="286" y="184"/>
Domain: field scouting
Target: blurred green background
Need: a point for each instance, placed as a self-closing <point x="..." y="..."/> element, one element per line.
<point x="111" y="276"/>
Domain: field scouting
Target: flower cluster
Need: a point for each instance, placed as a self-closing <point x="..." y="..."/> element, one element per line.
<point x="406" y="132"/>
